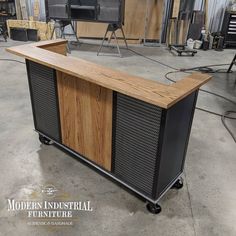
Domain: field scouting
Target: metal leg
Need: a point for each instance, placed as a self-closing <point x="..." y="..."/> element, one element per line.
<point x="124" y="36"/>
<point x="68" y="48"/>
<point x="231" y="65"/>
<point x="113" y="28"/>
<point x="62" y="28"/>
<point x="117" y="44"/>
<point x="99" y="50"/>
<point x="62" y="32"/>
<point x="74" y="32"/>
<point x="53" y="31"/>
<point x="109" y="41"/>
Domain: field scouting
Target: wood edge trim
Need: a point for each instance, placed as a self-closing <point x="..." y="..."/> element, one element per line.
<point x="189" y="84"/>
<point x="192" y="81"/>
<point x="49" y="43"/>
<point x="40" y="45"/>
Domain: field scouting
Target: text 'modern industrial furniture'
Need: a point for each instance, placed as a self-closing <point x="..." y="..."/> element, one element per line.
<point x="134" y="130"/>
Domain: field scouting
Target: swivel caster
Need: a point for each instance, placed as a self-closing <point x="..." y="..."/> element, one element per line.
<point x="178" y="184"/>
<point x="44" y="140"/>
<point x="153" y="208"/>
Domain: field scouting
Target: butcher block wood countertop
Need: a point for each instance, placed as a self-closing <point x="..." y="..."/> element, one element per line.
<point x="50" y="53"/>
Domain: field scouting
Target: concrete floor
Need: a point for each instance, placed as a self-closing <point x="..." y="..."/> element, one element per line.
<point x="206" y="206"/>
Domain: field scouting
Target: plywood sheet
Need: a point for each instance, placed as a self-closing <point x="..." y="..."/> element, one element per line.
<point x="44" y="29"/>
<point x="176" y="7"/>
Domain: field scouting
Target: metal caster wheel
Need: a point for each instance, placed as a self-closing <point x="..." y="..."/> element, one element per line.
<point x="178" y="184"/>
<point x="153" y="208"/>
<point x="44" y="140"/>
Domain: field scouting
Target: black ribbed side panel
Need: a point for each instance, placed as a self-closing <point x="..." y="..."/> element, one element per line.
<point x="43" y="90"/>
<point x="135" y="142"/>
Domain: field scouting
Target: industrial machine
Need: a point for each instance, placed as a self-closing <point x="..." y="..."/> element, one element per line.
<point x="109" y="11"/>
<point x="105" y="11"/>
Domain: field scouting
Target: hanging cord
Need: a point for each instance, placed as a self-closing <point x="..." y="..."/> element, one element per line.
<point x="12" y="60"/>
<point x="205" y="69"/>
<point x="151" y="59"/>
<point x="202" y="90"/>
<point x="223" y="116"/>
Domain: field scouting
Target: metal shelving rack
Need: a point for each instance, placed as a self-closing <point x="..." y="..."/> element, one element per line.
<point x="229" y="28"/>
<point x="7" y="11"/>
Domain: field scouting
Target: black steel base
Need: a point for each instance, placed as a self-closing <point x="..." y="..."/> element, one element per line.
<point x="153" y="208"/>
<point x="44" y="140"/>
<point x="178" y="184"/>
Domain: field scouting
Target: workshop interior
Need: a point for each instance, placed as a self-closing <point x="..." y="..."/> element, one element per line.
<point x="118" y="117"/>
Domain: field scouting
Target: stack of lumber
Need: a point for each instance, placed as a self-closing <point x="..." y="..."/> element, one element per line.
<point x="23" y="12"/>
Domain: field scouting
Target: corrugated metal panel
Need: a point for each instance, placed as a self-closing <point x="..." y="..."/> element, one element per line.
<point x="136" y="134"/>
<point x="44" y="99"/>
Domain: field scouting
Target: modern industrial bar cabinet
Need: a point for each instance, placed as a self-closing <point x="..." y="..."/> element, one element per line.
<point x="134" y="130"/>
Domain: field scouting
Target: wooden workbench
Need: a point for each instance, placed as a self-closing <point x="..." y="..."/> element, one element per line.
<point x="134" y="130"/>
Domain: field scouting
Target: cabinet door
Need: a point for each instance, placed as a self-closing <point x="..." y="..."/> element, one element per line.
<point x="43" y="91"/>
<point x="86" y="118"/>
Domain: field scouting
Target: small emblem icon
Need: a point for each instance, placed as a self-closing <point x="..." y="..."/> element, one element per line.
<point x="49" y="190"/>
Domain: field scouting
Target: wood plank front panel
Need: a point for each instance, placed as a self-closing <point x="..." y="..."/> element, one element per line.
<point x="86" y="118"/>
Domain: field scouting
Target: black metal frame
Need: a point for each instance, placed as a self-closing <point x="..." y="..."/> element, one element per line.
<point x="157" y="193"/>
<point x="114" y="112"/>
<point x="157" y="189"/>
<point x="27" y="62"/>
<point x="189" y="129"/>
<point x="159" y="151"/>
<point x="186" y="128"/>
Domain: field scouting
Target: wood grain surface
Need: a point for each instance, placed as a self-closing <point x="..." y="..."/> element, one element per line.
<point x="86" y="118"/>
<point x="60" y="48"/>
<point x="149" y="91"/>
<point x="135" y="17"/>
